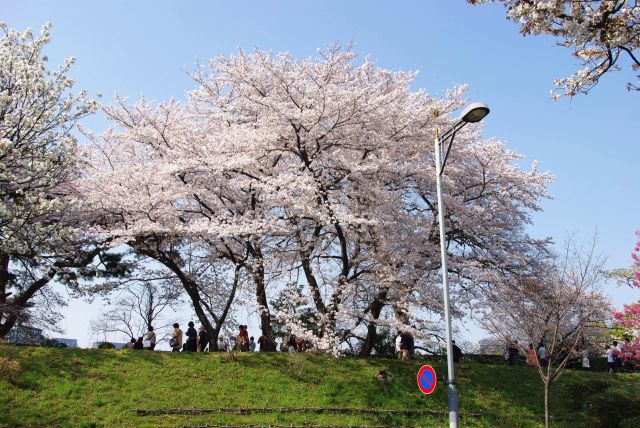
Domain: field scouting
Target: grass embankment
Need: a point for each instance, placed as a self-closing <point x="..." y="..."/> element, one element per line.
<point x="75" y="387"/>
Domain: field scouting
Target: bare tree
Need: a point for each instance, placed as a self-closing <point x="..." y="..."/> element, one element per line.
<point x="556" y="302"/>
<point x="140" y="305"/>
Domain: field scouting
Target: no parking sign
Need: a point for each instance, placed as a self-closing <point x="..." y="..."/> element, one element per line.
<point x="427" y="379"/>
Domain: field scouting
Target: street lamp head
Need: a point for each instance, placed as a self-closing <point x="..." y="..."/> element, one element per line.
<point x="474" y="112"/>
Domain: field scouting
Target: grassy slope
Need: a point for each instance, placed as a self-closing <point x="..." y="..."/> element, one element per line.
<point x="72" y="387"/>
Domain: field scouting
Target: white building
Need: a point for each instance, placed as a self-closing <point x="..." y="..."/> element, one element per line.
<point x="23" y="335"/>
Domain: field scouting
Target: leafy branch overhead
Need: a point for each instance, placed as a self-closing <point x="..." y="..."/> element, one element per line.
<point x="603" y="36"/>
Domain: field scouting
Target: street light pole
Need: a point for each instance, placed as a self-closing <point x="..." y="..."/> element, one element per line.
<point x="473" y="113"/>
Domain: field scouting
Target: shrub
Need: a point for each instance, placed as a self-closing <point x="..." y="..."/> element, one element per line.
<point x="9" y="369"/>
<point x="630" y="422"/>
<point x="106" y="345"/>
<point x="578" y="392"/>
<point x="607" y="410"/>
<point x="50" y="343"/>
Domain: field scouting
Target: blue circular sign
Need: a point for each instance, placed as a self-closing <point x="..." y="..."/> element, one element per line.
<point x="427" y="379"/>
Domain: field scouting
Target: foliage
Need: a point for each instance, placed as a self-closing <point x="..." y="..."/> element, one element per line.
<point x="39" y="210"/>
<point x="630" y="422"/>
<point x="577" y="393"/>
<point x="629" y="318"/>
<point x="106" y="345"/>
<point x="9" y="369"/>
<point x="636" y="262"/>
<point x="385" y="344"/>
<point x="313" y="172"/>
<point x="601" y="34"/>
<point x="607" y="410"/>
<point x="50" y="343"/>
<point x="110" y="384"/>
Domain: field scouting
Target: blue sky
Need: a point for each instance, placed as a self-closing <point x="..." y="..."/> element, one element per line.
<point x="588" y="142"/>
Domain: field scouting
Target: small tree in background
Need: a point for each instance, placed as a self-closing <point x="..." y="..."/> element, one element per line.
<point x="557" y="302"/>
<point x="143" y="300"/>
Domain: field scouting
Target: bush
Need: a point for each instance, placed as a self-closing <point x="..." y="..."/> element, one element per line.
<point x="578" y="392"/>
<point x="50" y="343"/>
<point x="607" y="410"/>
<point x="106" y="345"/>
<point x="630" y="423"/>
<point x="9" y="369"/>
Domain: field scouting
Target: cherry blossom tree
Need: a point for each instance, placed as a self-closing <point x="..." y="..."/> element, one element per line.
<point x="636" y="263"/>
<point x="602" y="35"/>
<point x="556" y="301"/>
<point x="39" y="212"/>
<point x="629" y="318"/>
<point x="318" y="173"/>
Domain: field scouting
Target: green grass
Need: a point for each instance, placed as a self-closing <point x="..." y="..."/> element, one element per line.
<point x="76" y="387"/>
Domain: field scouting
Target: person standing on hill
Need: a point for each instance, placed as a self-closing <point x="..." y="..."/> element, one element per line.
<point x="150" y="337"/>
<point x="203" y="340"/>
<point x="245" y="338"/>
<point x="252" y="345"/>
<point x="406" y="346"/>
<point x="398" y="345"/>
<point x="192" y="336"/>
<point x="176" y="338"/>
<point x="532" y="356"/>
<point x="585" y="359"/>
<point x="138" y="344"/>
<point x="513" y="353"/>
<point x="131" y="343"/>
<point x="542" y="354"/>
<point x="457" y="352"/>
<point x="611" y="359"/>
<point x="617" y="352"/>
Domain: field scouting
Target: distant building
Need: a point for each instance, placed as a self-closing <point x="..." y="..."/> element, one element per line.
<point x="118" y="345"/>
<point x="23" y="335"/>
<point x="71" y="343"/>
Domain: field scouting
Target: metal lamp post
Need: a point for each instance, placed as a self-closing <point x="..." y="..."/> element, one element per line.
<point x="471" y="114"/>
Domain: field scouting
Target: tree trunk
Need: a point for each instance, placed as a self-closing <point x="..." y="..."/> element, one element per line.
<point x="4" y="286"/>
<point x="188" y="284"/>
<point x="213" y="340"/>
<point x="375" y="308"/>
<point x="269" y="343"/>
<point x="547" y="392"/>
<point x="257" y="273"/>
<point x="20" y="302"/>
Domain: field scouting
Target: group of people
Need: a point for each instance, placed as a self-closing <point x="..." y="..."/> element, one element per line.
<point x="148" y="341"/>
<point x="243" y="342"/>
<point x="291" y="343"/>
<point x="539" y="356"/>
<point x="197" y="341"/>
<point x="535" y="356"/>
